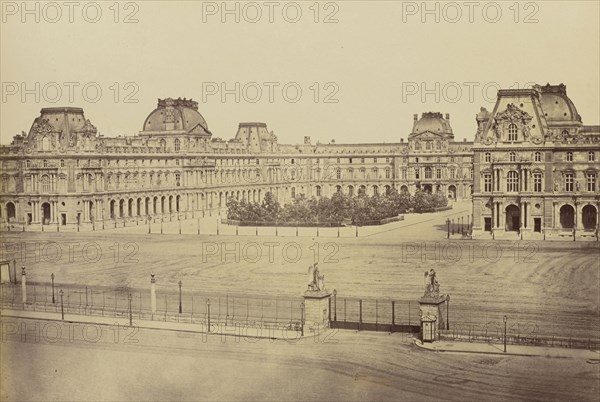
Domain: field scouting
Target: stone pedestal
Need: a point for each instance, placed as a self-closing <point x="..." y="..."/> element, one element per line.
<point x="431" y="318"/>
<point x="316" y="310"/>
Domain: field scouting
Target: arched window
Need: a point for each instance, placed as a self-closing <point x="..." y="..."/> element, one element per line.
<point x="177" y="144"/>
<point x="45" y="184"/>
<point x="512" y="132"/>
<point x="537" y="157"/>
<point x="512" y="182"/>
<point x="162" y="143"/>
<point x="428" y="173"/>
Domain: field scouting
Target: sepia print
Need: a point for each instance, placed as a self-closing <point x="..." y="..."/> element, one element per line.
<point x="299" y="200"/>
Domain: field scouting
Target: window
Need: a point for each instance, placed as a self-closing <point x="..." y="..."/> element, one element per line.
<point x="45" y="163"/>
<point x="428" y="174"/>
<point x="512" y="157"/>
<point x="452" y="159"/>
<point x="177" y="144"/>
<point x="565" y="133"/>
<point x="374" y="160"/>
<point x="537" y="157"/>
<point x="338" y="160"/>
<point x="78" y="162"/>
<point x="487" y="182"/>
<point x="438" y="145"/>
<point x="404" y="174"/>
<point x="416" y="160"/>
<point x="293" y="174"/>
<point x="569" y="182"/>
<point x="45" y="184"/>
<point x="362" y="160"/>
<point x="62" y="163"/>
<point x="438" y="173"/>
<point x="591" y="156"/>
<point x="416" y="173"/>
<point x="569" y="156"/>
<point x="512" y="132"/>
<point x="537" y="182"/>
<point x="338" y="174"/>
<point x="349" y="160"/>
<point x="177" y="162"/>
<point x="488" y="157"/>
<point x="27" y="163"/>
<point x="452" y="173"/>
<point x="417" y="145"/>
<point x="512" y="182"/>
<point x="293" y="161"/>
<point x="387" y="173"/>
<point x="177" y="179"/>
<point x="293" y="192"/>
<point x="591" y="182"/>
<point x="318" y="191"/>
<point x="428" y="145"/>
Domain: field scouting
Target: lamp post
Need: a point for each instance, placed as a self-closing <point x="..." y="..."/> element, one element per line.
<point x="180" y="309"/>
<point x="52" y="277"/>
<point x="505" y="319"/>
<point x="447" y="312"/>
<point x="208" y="311"/>
<point x="62" y="308"/>
<point x="448" y="223"/>
<point x="130" y="314"/>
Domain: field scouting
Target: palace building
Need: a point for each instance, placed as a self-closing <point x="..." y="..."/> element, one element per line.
<point x="532" y="168"/>
<point x="536" y="167"/>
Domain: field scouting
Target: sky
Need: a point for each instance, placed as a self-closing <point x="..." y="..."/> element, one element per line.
<point x="353" y="71"/>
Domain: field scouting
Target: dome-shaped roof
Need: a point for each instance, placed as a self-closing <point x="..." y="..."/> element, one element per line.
<point x="176" y="114"/>
<point x="432" y="122"/>
<point x="556" y="104"/>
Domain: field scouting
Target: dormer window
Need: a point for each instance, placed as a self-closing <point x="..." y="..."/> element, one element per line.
<point x="512" y="132"/>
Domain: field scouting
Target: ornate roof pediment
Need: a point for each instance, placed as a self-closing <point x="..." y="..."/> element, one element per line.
<point x="513" y="114"/>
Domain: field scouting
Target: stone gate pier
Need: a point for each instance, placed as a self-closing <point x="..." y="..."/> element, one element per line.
<point x="432" y="319"/>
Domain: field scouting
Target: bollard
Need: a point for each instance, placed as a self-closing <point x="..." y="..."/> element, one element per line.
<point x="23" y="285"/>
<point x="153" y="293"/>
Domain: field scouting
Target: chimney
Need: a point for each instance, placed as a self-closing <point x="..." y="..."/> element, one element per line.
<point x="447" y="116"/>
<point x="306" y="140"/>
<point x="415" y="117"/>
<point x="401" y="139"/>
<point x="333" y="141"/>
<point x="464" y="140"/>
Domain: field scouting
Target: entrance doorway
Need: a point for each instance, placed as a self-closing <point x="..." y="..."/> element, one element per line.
<point x="567" y="217"/>
<point x="45" y="213"/>
<point x="537" y="225"/>
<point x="589" y="216"/>
<point x="513" y="216"/>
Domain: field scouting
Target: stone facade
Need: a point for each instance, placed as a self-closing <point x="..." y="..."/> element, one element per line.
<point x="536" y="168"/>
<point x="64" y="173"/>
<point x="532" y="169"/>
